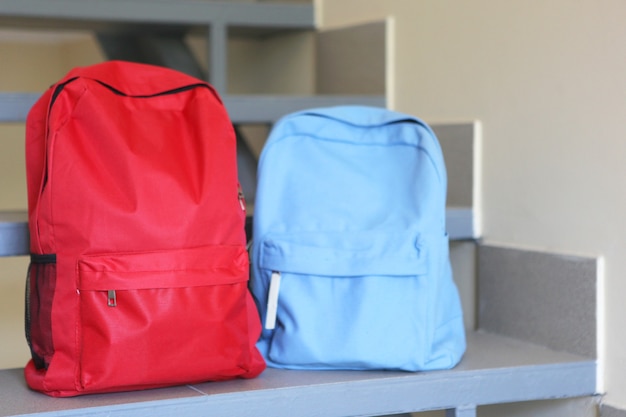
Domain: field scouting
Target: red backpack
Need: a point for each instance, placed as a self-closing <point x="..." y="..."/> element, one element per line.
<point x="139" y="270"/>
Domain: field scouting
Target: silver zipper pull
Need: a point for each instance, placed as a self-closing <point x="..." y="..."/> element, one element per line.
<point x="111" y="298"/>
<point x="272" y="301"/>
<point x="242" y="199"/>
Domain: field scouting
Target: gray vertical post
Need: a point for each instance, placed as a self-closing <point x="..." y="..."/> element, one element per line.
<point x="218" y="56"/>
<point x="462" y="411"/>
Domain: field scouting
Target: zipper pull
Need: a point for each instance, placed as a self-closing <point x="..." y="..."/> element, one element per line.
<point x="111" y="298"/>
<point x="272" y="301"/>
<point x="242" y="199"/>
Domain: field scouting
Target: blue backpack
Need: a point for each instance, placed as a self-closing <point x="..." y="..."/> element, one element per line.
<point x="350" y="262"/>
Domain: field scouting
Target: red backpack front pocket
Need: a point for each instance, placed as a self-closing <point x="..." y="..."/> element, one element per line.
<point x="138" y="310"/>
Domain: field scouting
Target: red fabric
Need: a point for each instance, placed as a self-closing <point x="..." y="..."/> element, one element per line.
<point x="134" y="187"/>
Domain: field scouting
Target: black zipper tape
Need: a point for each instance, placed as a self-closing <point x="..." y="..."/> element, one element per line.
<point x="45" y="258"/>
<point x="161" y="93"/>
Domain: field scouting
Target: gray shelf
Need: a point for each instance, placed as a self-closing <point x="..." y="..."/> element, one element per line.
<point x="14" y="233"/>
<point x="461" y="223"/>
<point x="89" y="15"/>
<point x="15" y="106"/>
<point x="494" y="370"/>
<point x="241" y="108"/>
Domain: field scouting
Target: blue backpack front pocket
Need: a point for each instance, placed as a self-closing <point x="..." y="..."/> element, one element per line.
<point x="344" y="299"/>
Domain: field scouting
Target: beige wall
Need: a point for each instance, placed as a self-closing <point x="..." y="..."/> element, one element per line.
<point x="547" y="80"/>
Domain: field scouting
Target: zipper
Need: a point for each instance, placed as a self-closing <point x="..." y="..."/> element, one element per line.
<point x="59" y="88"/>
<point x="161" y="93"/>
<point x="57" y="91"/>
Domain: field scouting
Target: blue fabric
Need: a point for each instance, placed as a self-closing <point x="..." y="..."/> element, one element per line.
<point x="350" y="210"/>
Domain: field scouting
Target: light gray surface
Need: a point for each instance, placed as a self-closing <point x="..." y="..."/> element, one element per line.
<point x="608" y="411"/>
<point x="14" y="233"/>
<point x="457" y="142"/>
<point x="494" y="370"/>
<point x="544" y="298"/>
<point x="16" y="399"/>
<point x="351" y="60"/>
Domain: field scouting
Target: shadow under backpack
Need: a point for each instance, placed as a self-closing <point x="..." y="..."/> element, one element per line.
<point x="350" y="257"/>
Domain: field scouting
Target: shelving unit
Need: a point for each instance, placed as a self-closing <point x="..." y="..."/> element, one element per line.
<point x="494" y="370"/>
<point x="218" y="20"/>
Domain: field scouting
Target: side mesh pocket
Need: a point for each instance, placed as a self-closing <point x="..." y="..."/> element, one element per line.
<point x="40" y="285"/>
